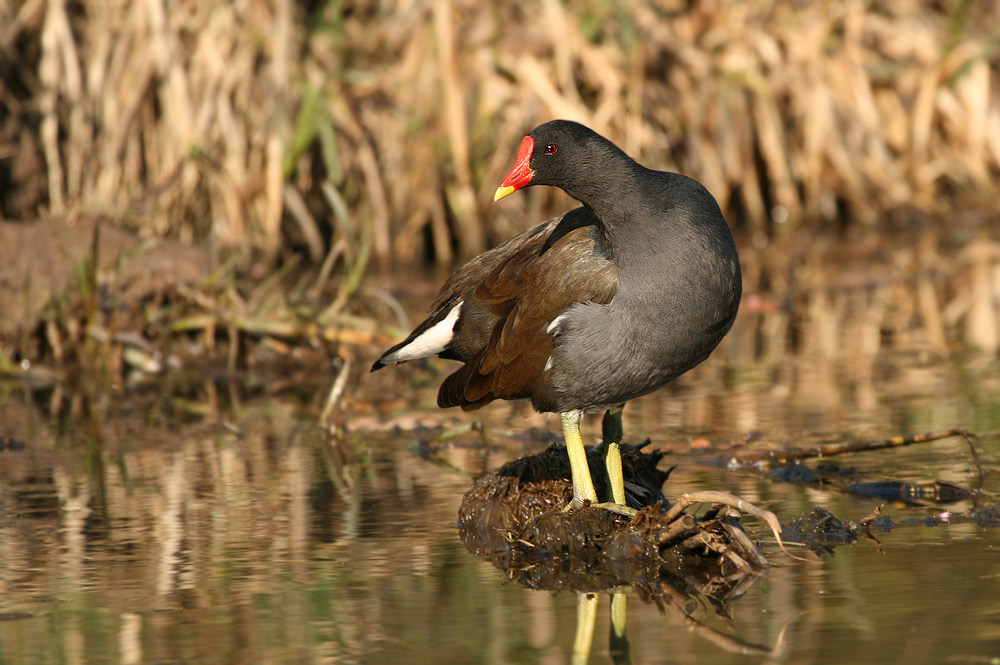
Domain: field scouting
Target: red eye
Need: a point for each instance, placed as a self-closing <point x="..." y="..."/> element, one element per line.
<point x="551" y="148"/>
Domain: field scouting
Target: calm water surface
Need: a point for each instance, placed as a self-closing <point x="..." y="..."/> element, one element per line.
<point x="219" y="527"/>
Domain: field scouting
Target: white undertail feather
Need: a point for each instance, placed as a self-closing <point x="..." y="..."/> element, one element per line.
<point x="432" y="341"/>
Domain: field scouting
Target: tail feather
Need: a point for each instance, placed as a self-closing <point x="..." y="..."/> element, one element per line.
<point x="430" y="338"/>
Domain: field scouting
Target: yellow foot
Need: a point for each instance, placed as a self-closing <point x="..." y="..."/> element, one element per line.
<point x="610" y="506"/>
<point x="618" y="508"/>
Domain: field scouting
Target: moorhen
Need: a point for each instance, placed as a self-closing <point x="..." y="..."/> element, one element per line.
<point x="586" y="311"/>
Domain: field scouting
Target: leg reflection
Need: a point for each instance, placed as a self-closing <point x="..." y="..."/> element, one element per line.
<point x="586" y="616"/>
<point x="619" y="640"/>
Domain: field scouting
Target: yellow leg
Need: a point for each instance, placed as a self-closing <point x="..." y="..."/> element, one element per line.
<point x="583" y="486"/>
<point x="611" y="428"/>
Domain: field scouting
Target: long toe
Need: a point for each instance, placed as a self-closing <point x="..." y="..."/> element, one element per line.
<point x="610" y="506"/>
<point x="618" y="508"/>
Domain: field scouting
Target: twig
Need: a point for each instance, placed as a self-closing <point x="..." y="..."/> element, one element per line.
<point x="728" y="643"/>
<point x="679" y="527"/>
<point x="737" y="535"/>
<point x="866" y="521"/>
<point x="727" y="499"/>
<point x="968" y="436"/>
<point x="336" y="394"/>
<point x="829" y="450"/>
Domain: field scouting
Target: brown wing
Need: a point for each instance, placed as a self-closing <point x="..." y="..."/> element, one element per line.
<point x="525" y="292"/>
<point x="471" y="333"/>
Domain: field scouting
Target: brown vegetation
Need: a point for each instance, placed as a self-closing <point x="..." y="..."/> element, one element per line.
<point x="337" y="132"/>
<point x="277" y="124"/>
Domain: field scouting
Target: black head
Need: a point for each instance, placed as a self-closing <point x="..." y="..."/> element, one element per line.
<point x="564" y="154"/>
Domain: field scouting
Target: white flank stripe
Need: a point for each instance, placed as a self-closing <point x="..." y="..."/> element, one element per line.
<point x="433" y="340"/>
<point x="555" y="323"/>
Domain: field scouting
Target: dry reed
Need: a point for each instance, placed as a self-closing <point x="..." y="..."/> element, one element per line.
<point x="226" y="121"/>
<point x="344" y="131"/>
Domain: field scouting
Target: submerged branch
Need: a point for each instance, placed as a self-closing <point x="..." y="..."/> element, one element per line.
<point x="831" y="449"/>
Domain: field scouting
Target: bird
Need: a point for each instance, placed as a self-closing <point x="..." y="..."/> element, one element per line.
<point x="588" y="310"/>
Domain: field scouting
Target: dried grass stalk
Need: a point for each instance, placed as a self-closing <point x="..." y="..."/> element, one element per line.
<point x="192" y="118"/>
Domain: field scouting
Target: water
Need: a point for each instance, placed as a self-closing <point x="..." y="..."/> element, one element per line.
<point x="141" y="527"/>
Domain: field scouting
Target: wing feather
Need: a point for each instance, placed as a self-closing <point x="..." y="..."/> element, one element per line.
<point x="525" y="291"/>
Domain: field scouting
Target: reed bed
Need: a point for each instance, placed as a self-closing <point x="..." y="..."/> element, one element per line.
<point x="275" y="127"/>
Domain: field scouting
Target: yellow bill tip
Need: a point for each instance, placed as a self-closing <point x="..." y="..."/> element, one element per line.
<point x="502" y="192"/>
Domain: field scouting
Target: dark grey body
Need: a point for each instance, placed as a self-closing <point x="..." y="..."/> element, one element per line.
<point x="678" y="290"/>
